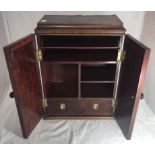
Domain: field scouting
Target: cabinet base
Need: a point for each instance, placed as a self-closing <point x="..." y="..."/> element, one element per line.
<point x="78" y="118"/>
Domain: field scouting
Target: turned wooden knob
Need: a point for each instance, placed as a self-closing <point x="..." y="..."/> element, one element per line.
<point x="11" y="94"/>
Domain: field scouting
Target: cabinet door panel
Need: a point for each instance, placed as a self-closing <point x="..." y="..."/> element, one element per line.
<point x="131" y="81"/>
<point x="24" y="75"/>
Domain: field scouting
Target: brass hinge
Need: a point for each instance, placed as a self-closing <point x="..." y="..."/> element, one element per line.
<point x="121" y="55"/>
<point x="39" y="55"/>
<point x="114" y="104"/>
<point x="45" y="103"/>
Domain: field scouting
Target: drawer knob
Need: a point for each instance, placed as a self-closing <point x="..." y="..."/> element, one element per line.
<point x="62" y="106"/>
<point x="95" y="106"/>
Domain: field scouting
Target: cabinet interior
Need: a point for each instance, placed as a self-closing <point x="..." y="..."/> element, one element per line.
<point x="78" y="55"/>
<point x="98" y="72"/>
<point x="80" y="41"/>
<point x="97" y="90"/>
<point x="79" y="67"/>
<point x="63" y="80"/>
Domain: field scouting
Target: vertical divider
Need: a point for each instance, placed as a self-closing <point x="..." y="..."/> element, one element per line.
<point x="79" y="80"/>
<point x="118" y="68"/>
<point x="38" y="42"/>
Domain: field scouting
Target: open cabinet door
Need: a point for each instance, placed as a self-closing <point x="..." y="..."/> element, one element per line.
<point x="24" y="74"/>
<point x="130" y="85"/>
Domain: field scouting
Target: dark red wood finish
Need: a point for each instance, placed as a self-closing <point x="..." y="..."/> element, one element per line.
<point x="24" y="75"/>
<point x="131" y="81"/>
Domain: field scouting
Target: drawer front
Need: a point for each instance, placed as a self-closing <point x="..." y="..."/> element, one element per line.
<point x="95" y="108"/>
<point x="61" y="107"/>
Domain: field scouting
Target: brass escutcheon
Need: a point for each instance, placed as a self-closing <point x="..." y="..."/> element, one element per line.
<point x="95" y="106"/>
<point x="62" y="106"/>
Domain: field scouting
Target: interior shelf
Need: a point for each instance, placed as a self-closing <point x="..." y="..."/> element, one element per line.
<point x="97" y="81"/>
<point x="89" y="63"/>
<point x="77" y="47"/>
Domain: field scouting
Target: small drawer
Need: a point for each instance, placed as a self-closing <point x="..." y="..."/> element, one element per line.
<point x="61" y="107"/>
<point x="95" y="107"/>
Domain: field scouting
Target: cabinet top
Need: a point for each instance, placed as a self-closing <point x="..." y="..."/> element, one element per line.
<point x="80" y="24"/>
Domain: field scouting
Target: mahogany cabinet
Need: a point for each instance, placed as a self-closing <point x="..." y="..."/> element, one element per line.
<point x="82" y="67"/>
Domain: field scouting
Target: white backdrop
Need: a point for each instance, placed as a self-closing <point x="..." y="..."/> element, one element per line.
<point x="4" y="80"/>
<point x="148" y="37"/>
<point x="23" y="23"/>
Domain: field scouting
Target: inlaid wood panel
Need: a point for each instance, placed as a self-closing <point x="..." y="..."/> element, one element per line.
<point x="24" y="75"/>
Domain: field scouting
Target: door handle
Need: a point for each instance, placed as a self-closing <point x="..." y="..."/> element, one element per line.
<point x="11" y="94"/>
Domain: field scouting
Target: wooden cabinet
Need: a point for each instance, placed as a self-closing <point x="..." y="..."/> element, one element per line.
<point x="77" y="67"/>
